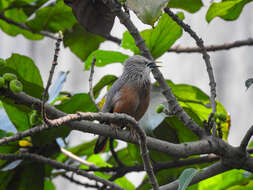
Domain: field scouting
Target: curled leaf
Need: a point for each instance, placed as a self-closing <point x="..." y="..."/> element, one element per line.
<point x="148" y="11"/>
<point x="93" y="15"/>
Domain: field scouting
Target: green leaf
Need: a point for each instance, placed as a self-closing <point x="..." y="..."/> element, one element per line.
<point x="125" y="183"/>
<point x="105" y="57"/>
<point x="20" y="12"/>
<point x="98" y="161"/>
<point x="28" y="176"/>
<point x="78" y="102"/>
<point x="19" y="118"/>
<point x="13" y="30"/>
<point x="159" y="39"/>
<point x="227" y="10"/>
<point x="53" y="18"/>
<point x="80" y="42"/>
<point x="227" y="180"/>
<point x="149" y="13"/>
<point x="48" y="185"/>
<point x="186" y="178"/>
<point x="191" y="6"/>
<point x="104" y="81"/>
<point x="27" y="71"/>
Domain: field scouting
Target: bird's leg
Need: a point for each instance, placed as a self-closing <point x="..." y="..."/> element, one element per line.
<point x="132" y="131"/>
<point x="115" y="127"/>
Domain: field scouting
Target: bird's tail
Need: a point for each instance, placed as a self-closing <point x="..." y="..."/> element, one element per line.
<point x="100" y="144"/>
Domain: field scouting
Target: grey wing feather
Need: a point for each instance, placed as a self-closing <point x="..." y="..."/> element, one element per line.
<point x="112" y="94"/>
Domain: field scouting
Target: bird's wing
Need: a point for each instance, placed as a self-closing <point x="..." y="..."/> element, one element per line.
<point x="113" y="93"/>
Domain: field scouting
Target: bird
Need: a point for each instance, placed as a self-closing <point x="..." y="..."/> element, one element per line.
<point x="130" y="93"/>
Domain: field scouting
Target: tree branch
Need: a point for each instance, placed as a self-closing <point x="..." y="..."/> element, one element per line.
<point x="206" y="58"/>
<point x="177" y="150"/>
<point x="212" y="48"/>
<point x="71" y="179"/>
<point x="210" y="171"/>
<point x="114" y="154"/>
<point x="246" y="138"/>
<point x="50" y="77"/>
<point x="58" y="165"/>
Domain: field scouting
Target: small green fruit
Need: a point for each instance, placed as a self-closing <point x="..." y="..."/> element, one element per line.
<point x="9" y="76"/>
<point x="159" y="109"/>
<point x="16" y="86"/>
<point x="2" y="81"/>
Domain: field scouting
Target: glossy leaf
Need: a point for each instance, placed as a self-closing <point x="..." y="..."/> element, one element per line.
<point x="159" y="39"/>
<point x="53" y="18"/>
<point x="18" y="15"/>
<point x="191" y="6"/>
<point x="78" y="102"/>
<point x="81" y="42"/>
<point x="227" y="10"/>
<point x="231" y="180"/>
<point x="105" y="57"/>
<point x="104" y="81"/>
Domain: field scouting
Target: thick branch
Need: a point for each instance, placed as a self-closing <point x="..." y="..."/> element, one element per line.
<point x="177" y="150"/>
<point x="226" y="46"/>
<point x="246" y="138"/>
<point x="210" y="171"/>
<point x="58" y="165"/>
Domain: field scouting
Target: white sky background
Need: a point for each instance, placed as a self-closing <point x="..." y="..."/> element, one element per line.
<point x="231" y="67"/>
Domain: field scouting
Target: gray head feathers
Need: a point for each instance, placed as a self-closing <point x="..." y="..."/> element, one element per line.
<point x="135" y="68"/>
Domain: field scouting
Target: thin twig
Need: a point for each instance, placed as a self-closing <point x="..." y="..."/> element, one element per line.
<point x="114" y="154"/>
<point x="121" y="119"/>
<point x="167" y="92"/>
<point x="54" y="63"/>
<point x="206" y="58"/>
<point x="246" y="138"/>
<point x="212" y="48"/>
<point x="58" y="165"/>
<point x="90" y="83"/>
<point x="79" y="182"/>
<point x="76" y="158"/>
